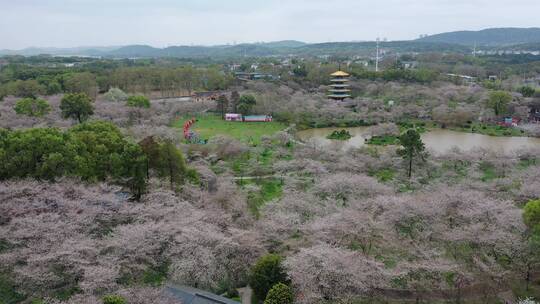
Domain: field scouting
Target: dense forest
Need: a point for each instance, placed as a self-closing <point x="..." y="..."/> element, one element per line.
<point x="489" y="37"/>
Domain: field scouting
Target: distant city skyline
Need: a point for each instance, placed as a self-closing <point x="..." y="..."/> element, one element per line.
<point x="161" y="23"/>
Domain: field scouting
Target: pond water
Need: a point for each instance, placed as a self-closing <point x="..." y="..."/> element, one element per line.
<point x="438" y="140"/>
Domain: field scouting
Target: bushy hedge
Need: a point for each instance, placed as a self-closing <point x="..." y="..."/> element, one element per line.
<point x="114" y="299"/>
<point x="267" y="272"/>
<point x="340" y="135"/>
<point x="138" y="101"/>
<point x="531" y="215"/>
<point x="93" y="151"/>
<point x="34" y="107"/>
<point x="280" y="294"/>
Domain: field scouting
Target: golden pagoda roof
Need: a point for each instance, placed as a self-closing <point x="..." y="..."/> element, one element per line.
<point x="340" y="73"/>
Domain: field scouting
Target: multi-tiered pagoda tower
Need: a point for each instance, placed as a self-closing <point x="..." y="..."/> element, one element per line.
<point x="340" y="86"/>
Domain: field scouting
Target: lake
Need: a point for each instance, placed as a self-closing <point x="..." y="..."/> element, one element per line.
<point x="437" y="140"/>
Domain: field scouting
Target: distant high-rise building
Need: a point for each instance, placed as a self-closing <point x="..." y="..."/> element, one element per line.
<point x="339" y="87"/>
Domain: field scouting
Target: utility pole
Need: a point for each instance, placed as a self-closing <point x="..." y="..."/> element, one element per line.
<point x="377" y="56"/>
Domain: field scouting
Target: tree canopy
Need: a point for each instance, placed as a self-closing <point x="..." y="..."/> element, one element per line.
<point x="531" y="215"/>
<point x="412" y="147"/>
<point x="267" y="272"/>
<point x="167" y="161"/>
<point x="246" y="103"/>
<point x="34" y="107"/>
<point x="498" y="101"/>
<point x="26" y="88"/>
<point x="77" y="106"/>
<point x="94" y="151"/>
<point x="222" y="105"/>
<point x="81" y="83"/>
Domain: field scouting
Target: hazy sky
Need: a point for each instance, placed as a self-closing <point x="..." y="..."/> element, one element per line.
<point x="68" y="23"/>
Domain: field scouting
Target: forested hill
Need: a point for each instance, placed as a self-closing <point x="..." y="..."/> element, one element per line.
<point x="456" y="42"/>
<point x="246" y="49"/>
<point x="367" y="48"/>
<point x="252" y="50"/>
<point x="488" y="37"/>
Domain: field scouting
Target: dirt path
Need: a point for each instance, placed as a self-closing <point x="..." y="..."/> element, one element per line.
<point x="245" y="294"/>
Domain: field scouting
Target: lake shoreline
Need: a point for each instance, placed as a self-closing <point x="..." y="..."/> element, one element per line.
<point x="438" y="139"/>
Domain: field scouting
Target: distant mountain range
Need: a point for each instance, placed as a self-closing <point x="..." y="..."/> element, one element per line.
<point x="246" y="50"/>
<point x="488" y="37"/>
<point x="458" y="42"/>
<point x="85" y="51"/>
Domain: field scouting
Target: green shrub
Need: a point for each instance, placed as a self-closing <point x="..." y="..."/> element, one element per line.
<point x="154" y="276"/>
<point x="340" y="135"/>
<point x="114" y="299"/>
<point x="53" y="88"/>
<point x="531" y="215"/>
<point x="527" y="91"/>
<point x="280" y="294"/>
<point x="489" y="171"/>
<point x="385" y="175"/>
<point x="267" y="272"/>
<point x="138" y="101"/>
<point x="32" y="107"/>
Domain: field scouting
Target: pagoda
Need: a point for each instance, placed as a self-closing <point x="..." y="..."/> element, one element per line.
<point x="339" y="87"/>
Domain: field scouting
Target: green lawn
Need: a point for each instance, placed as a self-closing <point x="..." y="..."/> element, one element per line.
<point x="270" y="189"/>
<point x="208" y="126"/>
<point x="491" y="130"/>
<point x="385" y="140"/>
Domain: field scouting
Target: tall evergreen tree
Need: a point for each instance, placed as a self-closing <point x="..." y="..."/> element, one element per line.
<point x="412" y="147"/>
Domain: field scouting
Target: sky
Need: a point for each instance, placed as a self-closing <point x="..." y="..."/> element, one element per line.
<point x="161" y="23"/>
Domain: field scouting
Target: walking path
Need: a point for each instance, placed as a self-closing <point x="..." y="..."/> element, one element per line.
<point x="245" y="294"/>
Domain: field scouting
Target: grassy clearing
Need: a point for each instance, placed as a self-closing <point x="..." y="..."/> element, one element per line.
<point x="384" y="175"/>
<point x="489" y="171"/>
<point x="385" y="140"/>
<point x="491" y="130"/>
<point x="269" y="189"/>
<point x="421" y="126"/>
<point x="208" y="126"/>
<point x="476" y="127"/>
<point x="526" y="163"/>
